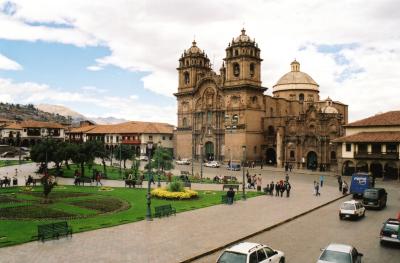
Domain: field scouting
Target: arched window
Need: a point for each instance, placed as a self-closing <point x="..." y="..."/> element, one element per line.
<point x="252" y="69"/>
<point x="184" y="122"/>
<point x="301" y="97"/>
<point x="254" y="99"/>
<point x="236" y="52"/>
<point x="236" y="69"/>
<point x="333" y="155"/>
<point x="186" y="77"/>
<point x="292" y="154"/>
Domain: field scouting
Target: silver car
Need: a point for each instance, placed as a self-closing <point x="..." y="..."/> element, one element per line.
<point x="339" y="253"/>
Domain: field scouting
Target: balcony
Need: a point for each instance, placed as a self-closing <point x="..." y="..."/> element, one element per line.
<point x="383" y="156"/>
<point x="131" y="142"/>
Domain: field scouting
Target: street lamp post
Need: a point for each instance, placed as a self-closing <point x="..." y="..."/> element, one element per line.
<point x="158" y="164"/>
<point x="201" y="160"/>
<point x="192" y="157"/>
<point x="243" y="179"/>
<point x="120" y="160"/>
<point x="148" y="196"/>
<point x="232" y="125"/>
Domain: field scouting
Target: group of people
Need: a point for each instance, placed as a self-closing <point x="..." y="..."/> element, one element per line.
<point x="7" y="181"/>
<point x="280" y="187"/>
<point x="253" y="181"/>
<point x="343" y="186"/>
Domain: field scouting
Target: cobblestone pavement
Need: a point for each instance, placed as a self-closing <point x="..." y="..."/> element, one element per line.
<point x="179" y="237"/>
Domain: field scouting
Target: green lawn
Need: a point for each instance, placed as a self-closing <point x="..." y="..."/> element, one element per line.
<point x="112" y="172"/>
<point x="88" y="207"/>
<point x="4" y="163"/>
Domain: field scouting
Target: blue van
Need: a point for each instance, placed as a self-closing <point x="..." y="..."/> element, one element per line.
<point x="359" y="183"/>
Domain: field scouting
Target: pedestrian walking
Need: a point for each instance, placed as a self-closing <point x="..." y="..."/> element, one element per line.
<point x="262" y="163"/>
<point x="287" y="178"/>
<point x="317" y="193"/>
<point x="290" y="167"/>
<point x="288" y="188"/>
<point x="259" y="183"/>
<point x="271" y="188"/>
<point x="282" y="188"/>
<point x="339" y="180"/>
<point x="253" y="181"/>
<point x="345" y="187"/>
<point x="98" y="179"/>
<point x="321" y="180"/>
<point x="277" y="189"/>
<point x="248" y="181"/>
<point x="230" y="196"/>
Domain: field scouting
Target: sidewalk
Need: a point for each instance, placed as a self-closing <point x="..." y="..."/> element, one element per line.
<point x="176" y="238"/>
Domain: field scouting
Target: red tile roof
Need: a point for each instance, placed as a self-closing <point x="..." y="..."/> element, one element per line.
<point x="34" y="124"/>
<point x="371" y="137"/>
<point x="390" y="118"/>
<point x="133" y="127"/>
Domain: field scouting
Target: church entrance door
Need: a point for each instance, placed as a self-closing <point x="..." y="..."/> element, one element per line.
<point x="312" y="161"/>
<point x="271" y="156"/>
<point x="209" y="151"/>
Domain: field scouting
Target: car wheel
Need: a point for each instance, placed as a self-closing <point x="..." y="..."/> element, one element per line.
<point x="282" y="260"/>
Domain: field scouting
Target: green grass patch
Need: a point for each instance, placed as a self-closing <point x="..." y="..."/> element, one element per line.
<point x="4" y="163"/>
<point x="32" y="211"/>
<point x="91" y="216"/>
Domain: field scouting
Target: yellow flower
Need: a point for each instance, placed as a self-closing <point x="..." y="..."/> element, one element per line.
<point x="164" y="193"/>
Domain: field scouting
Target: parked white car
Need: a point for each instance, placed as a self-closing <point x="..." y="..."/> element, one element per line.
<point x="248" y="252"/>
<point x="339" y="253"/>
<point x="183" y="161"/>
<point x="213" y="164"/>
<point x="351" y="209"/>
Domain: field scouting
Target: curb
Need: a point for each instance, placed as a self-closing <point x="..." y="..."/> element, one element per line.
<point x="260" y="231"/>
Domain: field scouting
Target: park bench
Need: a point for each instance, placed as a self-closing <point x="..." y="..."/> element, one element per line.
<point x="134" y="183"/>
<point x="54" y="230"/>
<point x="233" y="186"/>
<point x="228" y="178"/>
<point x="33" y="182"/>
<point x="164" y="210"/>
<point x="83" y="180"/>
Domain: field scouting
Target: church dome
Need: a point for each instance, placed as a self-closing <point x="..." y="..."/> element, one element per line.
<point x="296" y="80"/>
<point x="194" y="49"/>
<point x="242" y="37"/>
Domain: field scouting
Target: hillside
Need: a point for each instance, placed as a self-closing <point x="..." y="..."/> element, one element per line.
<point x="29" y="112"/>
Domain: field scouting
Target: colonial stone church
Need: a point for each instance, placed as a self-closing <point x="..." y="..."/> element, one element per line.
<point x="227" y="116"/>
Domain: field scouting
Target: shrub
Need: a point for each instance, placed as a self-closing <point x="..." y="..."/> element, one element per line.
<point x="176" y="186"/>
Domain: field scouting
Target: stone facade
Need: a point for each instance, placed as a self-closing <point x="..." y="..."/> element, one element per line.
<point x="226" y="116"/>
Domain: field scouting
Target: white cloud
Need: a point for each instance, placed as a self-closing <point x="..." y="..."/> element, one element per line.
<point x="8" y="64"/>
<point x="129" y="108"/>
<point x="151" y="35"/>
<point x="94" y="68"/>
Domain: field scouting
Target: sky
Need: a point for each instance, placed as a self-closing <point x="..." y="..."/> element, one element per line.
<point x="118" y="58"/>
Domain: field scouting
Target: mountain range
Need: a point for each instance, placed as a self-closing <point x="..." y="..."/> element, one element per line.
<point x="76" y="116"/>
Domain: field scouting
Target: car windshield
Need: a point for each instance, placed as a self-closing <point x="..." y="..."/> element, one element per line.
<point x="335" y="256"/>
<point x="370" y="194"/>
<point x="391" y="228"/>
<point x="232" y="257"/>
<point x="347" y="206"/>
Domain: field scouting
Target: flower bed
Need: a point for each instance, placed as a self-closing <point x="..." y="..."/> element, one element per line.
<point x="165" y="194"/>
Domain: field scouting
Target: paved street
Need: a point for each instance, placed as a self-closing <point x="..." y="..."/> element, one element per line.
<point x="302" y="238"/>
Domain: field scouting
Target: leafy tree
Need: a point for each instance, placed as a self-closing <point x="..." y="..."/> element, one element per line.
<point x="84" y="154"/>
<point x="101" y="152"/>
<point x="70" y="149"/>
<point x="43" y="152"/>
<point x="48" y="183"/>
<point x="123" y="153"/>
<point x="162" y="159"/>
